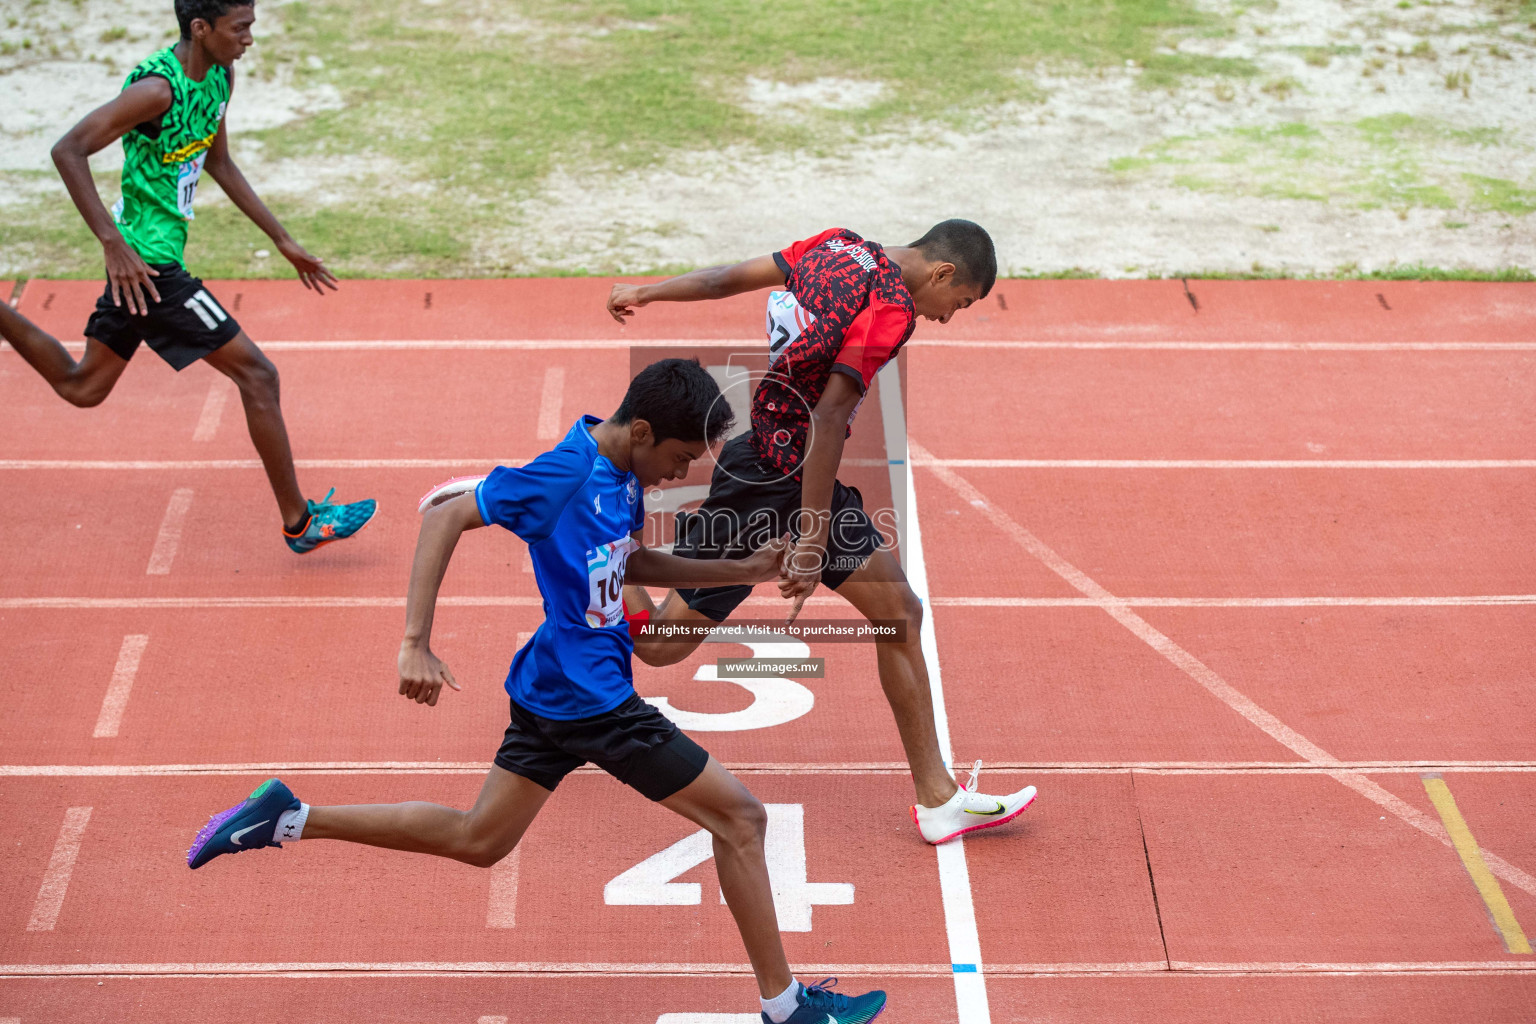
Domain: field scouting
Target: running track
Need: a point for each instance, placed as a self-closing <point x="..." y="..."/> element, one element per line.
<point x="1240" y="574"/>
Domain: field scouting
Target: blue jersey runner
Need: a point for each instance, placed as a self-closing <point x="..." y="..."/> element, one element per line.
<point x="576" y="511"/>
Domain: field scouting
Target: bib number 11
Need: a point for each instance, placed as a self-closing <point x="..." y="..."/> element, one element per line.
<point x="187" y="176"/>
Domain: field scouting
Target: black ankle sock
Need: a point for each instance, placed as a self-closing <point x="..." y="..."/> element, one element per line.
<point x="303" y="522"/>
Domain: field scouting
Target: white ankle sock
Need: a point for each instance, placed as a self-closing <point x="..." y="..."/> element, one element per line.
<point x="782" y="1006"/>
<point x="290" y="824"/>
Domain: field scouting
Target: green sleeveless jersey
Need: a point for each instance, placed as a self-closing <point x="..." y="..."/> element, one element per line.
<point x="162" y="161"/>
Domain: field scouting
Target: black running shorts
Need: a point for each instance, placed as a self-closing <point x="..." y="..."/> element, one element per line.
<point x="634" y="743"/>
<point x="183" y="327"/>
<point x="749" y="502"/>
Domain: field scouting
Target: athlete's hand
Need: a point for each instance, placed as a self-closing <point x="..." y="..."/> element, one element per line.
<point x="767" y="562"/>
<point x="312" y="269"/>
<point x="422" y="675"/>
<point x="129" y="276"/>
<point x="802" y="571"/>
<point x="623" y="301"/>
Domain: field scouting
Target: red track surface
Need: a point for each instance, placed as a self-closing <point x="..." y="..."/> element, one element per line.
<point x="1223" y="575"/>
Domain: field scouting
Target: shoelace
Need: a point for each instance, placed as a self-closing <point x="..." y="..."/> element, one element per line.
<point x="316" y="506"/>
<point x="821" y="997"/>
<point x="970" y="787"/>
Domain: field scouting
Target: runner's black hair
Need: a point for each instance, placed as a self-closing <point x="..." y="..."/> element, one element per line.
<point x="210" y="11"/>
<point x="965" y="244"/>
<point x="678" y="398"/>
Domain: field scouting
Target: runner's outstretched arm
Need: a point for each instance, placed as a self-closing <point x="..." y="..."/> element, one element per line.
<point x="649" y="568"/>
<point x="422" y="675"/>
<point x="144" y="100"/>
<point x="312" y="269"/>
<point x="710" y="283"/>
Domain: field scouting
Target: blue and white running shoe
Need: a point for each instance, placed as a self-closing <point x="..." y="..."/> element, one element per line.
<point x="248" y="825"/>
<point x="820" y="1005"/>
<point x="328" y="522"/>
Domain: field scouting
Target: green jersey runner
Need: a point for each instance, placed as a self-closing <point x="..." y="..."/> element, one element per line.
<point x="169" y="116"/>
<point x="162" y="162"/>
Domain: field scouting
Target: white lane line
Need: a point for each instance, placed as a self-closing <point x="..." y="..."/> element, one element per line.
<point x="490" y="1018"/>
<point x="753" y="345"/>
<point x="1229" y="463"/>
<point x="703" y="1018"/>
<point x="430" y="968"/>
<point x="551" y="402"/>
<point x="116" y="699"/>
<point x="267" y="769"/>
<point x="169" y="537"/>
<point x="1214" y="683"/>
<point x="501" y="908"/>
<point x="146" y="465"/>
<point x="279" y="601"/>
<point x="448" y="462"/>
<point x="518" y="601"/>
<point x="1474" y="600"/>
<point x="954" y="875"/>
<point x="50" y="895"/>
<point x="213" y="409"/>
<point x="1233" y="346"/>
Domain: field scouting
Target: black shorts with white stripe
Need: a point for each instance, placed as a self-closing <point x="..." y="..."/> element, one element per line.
<point x="183" y="327"/>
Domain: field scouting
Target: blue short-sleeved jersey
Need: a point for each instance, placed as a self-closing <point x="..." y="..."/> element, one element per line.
<point x="576" y="510"/>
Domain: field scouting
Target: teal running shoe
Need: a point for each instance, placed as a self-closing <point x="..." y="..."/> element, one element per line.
<point x="820" y="1005"/>
<point x="249" y="825"/>
<point x="328" y="522"/>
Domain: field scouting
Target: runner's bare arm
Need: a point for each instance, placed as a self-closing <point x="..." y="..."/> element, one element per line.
<point x="142" y="101"/>
<point x="649" y="568"/>
<point x="222" y="166"/>
<point x="823" y="456"/>
<point x="710" y="283"/>
<point x="422" y="675"/>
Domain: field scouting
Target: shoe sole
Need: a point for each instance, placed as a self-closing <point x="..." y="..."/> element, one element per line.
<point x="445" y="491"/>
<point x="972" y="828"/>
<point x="332" y="540"/>
<point x="208" y="831"/>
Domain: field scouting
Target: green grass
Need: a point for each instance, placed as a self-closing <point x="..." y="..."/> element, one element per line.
<point x="1394" y="161"/>
<point x="483" y="99"/>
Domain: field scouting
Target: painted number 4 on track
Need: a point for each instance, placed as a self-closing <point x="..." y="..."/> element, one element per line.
<point x="650" y="883"/>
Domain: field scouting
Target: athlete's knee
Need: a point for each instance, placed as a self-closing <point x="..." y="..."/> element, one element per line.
<point x="83" y="392"/>
<point x="257" y="378"/>
<point x="482" y="850"/>
<point x="746" y="826"/>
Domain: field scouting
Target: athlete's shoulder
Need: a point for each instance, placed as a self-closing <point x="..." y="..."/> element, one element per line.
<point x="157" y="65"/>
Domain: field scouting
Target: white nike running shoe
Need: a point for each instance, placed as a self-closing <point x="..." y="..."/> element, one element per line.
<point x="450" y="489"/>
<point x="968" y="811"/>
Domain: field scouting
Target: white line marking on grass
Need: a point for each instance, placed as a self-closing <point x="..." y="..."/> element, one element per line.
<point x="1211" y="681"/>
<point x="169" y="537"/>
<point x="116" y="700"/>
<point x="501" y="908"/>
<point x="551" y="402"/>
<point x="213" y="409"/>
<point x="954" y="875"/>
<point x="50" y="895"/>
<point x="427" y="968"/>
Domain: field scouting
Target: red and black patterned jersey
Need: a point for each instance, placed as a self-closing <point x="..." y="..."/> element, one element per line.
<point x="847" y="311"/>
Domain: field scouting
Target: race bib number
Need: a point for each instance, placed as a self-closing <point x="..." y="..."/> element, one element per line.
<point x="605" y="582"/>
<point x="186" y="183"/>
<point x="787" y="320"/>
